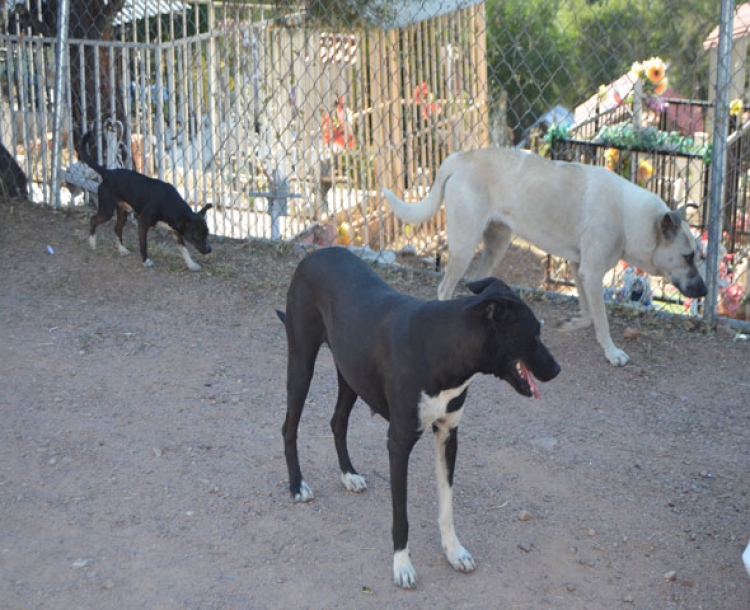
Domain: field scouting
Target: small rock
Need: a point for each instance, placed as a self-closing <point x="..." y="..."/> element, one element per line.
<point x="592" y="532"/>
<point x="628" y="598"/>
<point x="631" y="333"/>
<point x="524" y="515"/>
<point x="525" y="546"/>
<point x="570" y="587"/>
<point x="671" y="575"/>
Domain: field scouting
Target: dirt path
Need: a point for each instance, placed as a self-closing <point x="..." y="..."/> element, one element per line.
<point x="141" y="460"/>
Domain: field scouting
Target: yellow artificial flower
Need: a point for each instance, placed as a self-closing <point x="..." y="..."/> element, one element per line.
<point x="603" y="90"/>
<point x="645" y="171"/>
<point x="736" y="107"/>
<point x="611" y="157"/>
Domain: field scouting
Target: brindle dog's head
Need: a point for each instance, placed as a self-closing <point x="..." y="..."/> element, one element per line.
<point x="194" y="229"/>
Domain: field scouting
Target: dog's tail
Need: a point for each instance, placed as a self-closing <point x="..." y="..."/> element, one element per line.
<point x="83" y="153"/>
<point x="428" y="207"/>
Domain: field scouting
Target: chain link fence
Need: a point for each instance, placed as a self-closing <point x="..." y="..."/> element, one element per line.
<point x="290" y="118"/>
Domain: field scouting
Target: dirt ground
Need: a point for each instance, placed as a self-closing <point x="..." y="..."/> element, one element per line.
<point x="141" y="461"/>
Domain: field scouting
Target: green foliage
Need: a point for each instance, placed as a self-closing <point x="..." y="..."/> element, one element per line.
<point x="339" y="15"/>
<point x="547" y="52"/>
<point x="626" y="137"/>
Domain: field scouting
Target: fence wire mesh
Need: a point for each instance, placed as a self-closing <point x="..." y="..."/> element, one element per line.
<point x="290" y="118"/>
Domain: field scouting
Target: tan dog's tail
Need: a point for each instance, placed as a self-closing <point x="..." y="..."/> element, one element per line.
<point x="419" y="212"/>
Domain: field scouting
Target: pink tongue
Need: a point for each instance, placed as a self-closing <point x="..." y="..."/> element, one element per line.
<point x="527" y="376"/>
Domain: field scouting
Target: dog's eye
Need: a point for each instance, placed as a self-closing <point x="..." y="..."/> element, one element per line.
<point x="689" y="258"/>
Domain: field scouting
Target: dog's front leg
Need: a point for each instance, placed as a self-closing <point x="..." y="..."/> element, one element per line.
<point x="446" y="447"/>
<point x="404" y="574"/>
<point x="590" y="285"/>
<point x="583" y="319"/>
<point x="191" y="264"/>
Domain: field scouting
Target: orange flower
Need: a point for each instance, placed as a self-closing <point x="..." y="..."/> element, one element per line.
<point x="661" y="88"/>
<point x="655" y="70"/>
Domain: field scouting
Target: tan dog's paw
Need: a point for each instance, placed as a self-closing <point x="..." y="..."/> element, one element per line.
<point x="616" y="356"/>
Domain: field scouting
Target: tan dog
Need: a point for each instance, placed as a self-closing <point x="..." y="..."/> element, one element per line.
<point x="586" y="214"/>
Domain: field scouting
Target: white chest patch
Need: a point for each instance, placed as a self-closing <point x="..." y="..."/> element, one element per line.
<point x="434" y="409"/>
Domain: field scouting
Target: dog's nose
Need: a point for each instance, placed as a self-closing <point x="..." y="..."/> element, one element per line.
<point x="208" y="249"/>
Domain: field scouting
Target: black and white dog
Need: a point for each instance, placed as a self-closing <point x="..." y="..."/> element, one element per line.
<point x="412" y="362"/>
<point x="152" y="201"/>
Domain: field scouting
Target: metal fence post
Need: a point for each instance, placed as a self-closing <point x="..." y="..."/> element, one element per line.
<point x="61" y="67"/>
<point x="718" y="159"/>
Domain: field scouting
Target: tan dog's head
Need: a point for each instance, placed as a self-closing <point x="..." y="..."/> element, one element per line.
<point x="676" y="254"/>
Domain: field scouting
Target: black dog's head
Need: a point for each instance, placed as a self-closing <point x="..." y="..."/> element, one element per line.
<point x="195" y="230"/>
<point x="513" y="348"/>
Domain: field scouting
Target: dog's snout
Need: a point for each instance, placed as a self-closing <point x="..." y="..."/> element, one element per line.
<point x="208" y="249"/>
<point x="545" y="367"/>
<point x="694" y="288"/>
<point x="551" y="371"/>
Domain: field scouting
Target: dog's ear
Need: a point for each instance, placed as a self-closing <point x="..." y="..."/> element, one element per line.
<point x="479" y="286"/>
<point x="670" y="224"/>
<point x="205" y="209"/>
<point x="494" y="306"/>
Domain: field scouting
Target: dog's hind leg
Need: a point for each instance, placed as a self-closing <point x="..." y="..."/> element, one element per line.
<point x="446" y="446"/>
<point x="105" y="209"/>
<point x="496" y="239"/>
<point x="299" y="374"/>
<point x="351" y="479"/>
<point x="464" y="234"/>
<point x="122" y="218"/>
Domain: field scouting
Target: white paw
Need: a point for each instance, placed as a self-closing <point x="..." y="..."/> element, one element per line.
<point x="575" y="323"/>
<point x="305" y="494"/>
<point x="461" y="559"/>
<point x="193" y="266"/>
<point x="354" y="482"/>
<point x="92" y="242"/>
<point x="746" y="559"/>
<point x="616" y="356"/>
<point x="122" y="250"/>
<point x="404" y="574"/>
<point x="148" y="263"/>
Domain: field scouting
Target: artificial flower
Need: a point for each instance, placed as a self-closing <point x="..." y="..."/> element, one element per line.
<point x="645" y="171"/>
<point x="736" y="107"/>
<point x="655" y="69"/>
<point x="661" y="88"/>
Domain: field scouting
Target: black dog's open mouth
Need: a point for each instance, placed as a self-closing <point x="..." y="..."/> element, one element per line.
<point x="522" y="381"/>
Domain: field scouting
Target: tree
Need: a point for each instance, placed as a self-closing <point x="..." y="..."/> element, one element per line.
<point x="547" y="52"/>
<point x="90" y="20"/>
